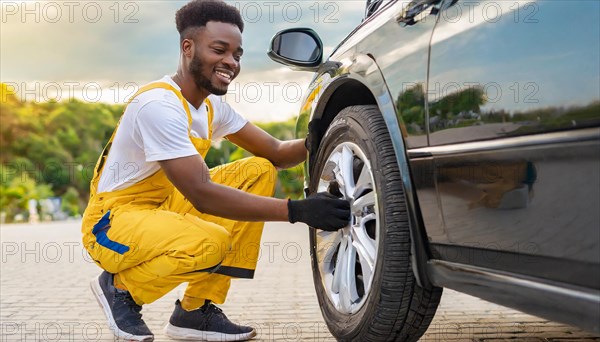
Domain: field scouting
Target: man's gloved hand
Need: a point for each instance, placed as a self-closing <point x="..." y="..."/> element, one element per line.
<point x="312" y="136"/>
<point x="320" y="210"/>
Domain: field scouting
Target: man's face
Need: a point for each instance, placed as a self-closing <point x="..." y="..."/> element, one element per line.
<point x="216" y="59"/>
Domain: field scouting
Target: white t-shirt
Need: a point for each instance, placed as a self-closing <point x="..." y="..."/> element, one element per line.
<point x="154" y="127"/>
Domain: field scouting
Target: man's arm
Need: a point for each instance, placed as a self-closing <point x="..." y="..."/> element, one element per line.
<point x="191" y="177"/>
<point x="283" y="154"/>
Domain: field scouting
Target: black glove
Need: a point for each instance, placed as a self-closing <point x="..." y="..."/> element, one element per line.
<point x="321" y="210"/>
<point x="314" y="132"/>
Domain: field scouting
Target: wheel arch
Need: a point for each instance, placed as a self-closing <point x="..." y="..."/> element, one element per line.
<point x="347" y="92"/>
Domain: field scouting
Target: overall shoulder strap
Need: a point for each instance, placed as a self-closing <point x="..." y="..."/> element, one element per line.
<point x="167" y="86"/>
<point x="211" y="115"/>
<point x="147" y="87"/>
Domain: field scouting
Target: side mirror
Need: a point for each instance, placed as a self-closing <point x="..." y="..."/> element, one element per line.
<point x="299" y="48"/>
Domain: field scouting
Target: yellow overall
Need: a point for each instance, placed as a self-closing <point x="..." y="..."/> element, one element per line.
<point x="153" y="239"/>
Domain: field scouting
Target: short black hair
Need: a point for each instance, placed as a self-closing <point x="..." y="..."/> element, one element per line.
<point x="197" y="13"/>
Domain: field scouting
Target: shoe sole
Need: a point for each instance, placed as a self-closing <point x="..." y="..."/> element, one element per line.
<point x="112" y="325"/>
<point x="197" y="335"/>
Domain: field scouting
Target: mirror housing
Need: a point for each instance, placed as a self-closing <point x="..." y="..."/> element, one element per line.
<point x="298" y="48"/>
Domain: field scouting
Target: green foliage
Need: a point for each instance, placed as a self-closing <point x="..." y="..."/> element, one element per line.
<point x="465" y="100"/>
<point x="71" y="202"/>
<point x="413" y="96"/>
<point x="280" y="130"/>
<point x="49" y="149"/>
<point x="290" y="182"/>
<point x="410" y="105"/>
<point x="415" y="115"/>
<point x="552" y="118"/>
<point x="18" y="191"/>
<point x="220" y="153"/>
<point x="239" y="153"/>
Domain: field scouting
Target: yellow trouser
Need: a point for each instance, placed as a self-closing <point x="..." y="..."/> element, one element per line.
<point x="175" y="243"/>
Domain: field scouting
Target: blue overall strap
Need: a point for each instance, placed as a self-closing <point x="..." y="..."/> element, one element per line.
<point x="100" y="229"/>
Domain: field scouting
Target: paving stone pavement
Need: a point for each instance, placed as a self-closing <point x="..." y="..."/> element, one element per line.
<point x="45" y="295"/>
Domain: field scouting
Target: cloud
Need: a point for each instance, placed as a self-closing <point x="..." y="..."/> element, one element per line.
<point x="273" y="96"/>
<point x="113" y="44"/>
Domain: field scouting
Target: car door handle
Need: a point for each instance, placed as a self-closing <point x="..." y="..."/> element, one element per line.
<point x="416" y="11"/>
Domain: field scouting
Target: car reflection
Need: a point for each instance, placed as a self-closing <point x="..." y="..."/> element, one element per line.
<point x="461" y="116"/>
<point x="493" y="184"/>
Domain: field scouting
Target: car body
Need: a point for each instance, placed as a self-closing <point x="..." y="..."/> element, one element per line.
<point x="491" y="114"/>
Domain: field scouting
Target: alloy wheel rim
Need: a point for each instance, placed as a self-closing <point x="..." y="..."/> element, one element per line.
<point x="347" y="257"/>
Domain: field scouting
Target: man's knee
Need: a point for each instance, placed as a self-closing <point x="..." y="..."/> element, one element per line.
<point x="263" y="173"/>
<point x="210" y="250"/>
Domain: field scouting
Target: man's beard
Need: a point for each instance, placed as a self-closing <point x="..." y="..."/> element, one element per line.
<point x="201" y="80"/>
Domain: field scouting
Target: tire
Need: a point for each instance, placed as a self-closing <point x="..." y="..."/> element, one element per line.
<point x="360" y="302"/>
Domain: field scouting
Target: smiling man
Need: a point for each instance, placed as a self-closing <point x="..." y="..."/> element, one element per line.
<point x="158" y="217"/>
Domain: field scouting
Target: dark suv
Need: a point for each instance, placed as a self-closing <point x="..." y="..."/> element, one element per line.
<point x="466" y="135"/>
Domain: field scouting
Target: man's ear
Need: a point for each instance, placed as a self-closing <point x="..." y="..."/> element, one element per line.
<point x="187" y="47"/>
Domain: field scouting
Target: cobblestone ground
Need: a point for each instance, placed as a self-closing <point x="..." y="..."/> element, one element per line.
<point x="45" y="296"/>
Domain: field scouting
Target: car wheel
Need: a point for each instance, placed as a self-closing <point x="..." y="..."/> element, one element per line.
<point x="362" y="273"/>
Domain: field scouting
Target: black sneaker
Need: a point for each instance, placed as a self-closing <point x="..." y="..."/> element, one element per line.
<point x="207" y="323"/>
<point x="123" y="314"/>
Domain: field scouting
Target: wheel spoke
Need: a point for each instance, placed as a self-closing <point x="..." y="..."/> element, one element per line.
<point x="344" y="172"/>
<point x="368" y="200"/>
<point x="339" y="268"/>
<point x="328" y="243"/>
<point x="367" y="272"/>
<point x="330" y="170"/>
<point x="363" y="242"/>
<point x="364" y="182"/>
<point x="348" y="292"/>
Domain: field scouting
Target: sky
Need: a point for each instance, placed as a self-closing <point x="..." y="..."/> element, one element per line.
<point x="102" y="51"/>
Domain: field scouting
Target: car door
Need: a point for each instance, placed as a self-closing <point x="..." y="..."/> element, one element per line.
<point x="396" y="35"/>
<point x="514" y="111"/>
